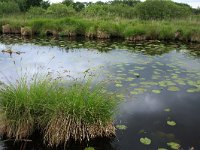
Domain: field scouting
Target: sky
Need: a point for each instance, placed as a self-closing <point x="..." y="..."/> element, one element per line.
<point x="193" y="3"/>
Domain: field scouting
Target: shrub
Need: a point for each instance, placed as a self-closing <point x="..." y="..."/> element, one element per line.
<point x="117" y="10"/>
<point x="9" y="7"/>
<point x="60" y="10"/>
<point x="161" y="9"/>
<point x="36" y="11"/>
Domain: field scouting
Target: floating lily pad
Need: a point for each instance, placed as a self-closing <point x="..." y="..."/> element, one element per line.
<point x="156" y="91"/>
<point x="174" y="145"/>
<point x="118" y="85"/>
<point x="167" y="109"/>
<point x="193" y="90"/>
<point x="171" y="123"/>
<point x="145" y="141"/>
<point x="120" y="96"/>
<point x="134" y="92"/>
<point x="121" y="127"/>
<point x="173" y="89"/>
<point x="89" y="148"/>
<point x="162" y="149"/>
<point x="133" y="84"/>
<point x="137" y="75"/>
<point x="129" y="79"/>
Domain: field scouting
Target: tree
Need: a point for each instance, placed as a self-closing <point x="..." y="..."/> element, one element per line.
<point x="161" y="9"/>
<point x="126" y="2"/>
<point x="78" y="6"/>
<point x="68" y="2"/>
<point x="60" y="10"/>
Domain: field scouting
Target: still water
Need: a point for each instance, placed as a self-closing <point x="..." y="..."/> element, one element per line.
<point x="160" y="84"/>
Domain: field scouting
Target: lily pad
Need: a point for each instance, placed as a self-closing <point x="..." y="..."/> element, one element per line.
<point x="156" y="91"/>
<point x="173" y="89"/>
<point x="145" y="141"/>
<point x="171" y="123"/>
<point x="129" y="79"/>
<point x="89" y="148"/>
<point x="193" y="90"/>
<point x="167" y="109"/>
<point x="121" y="127"/>
<point x="133" y="84"/>
<point x="162" y="149"/>
<point x="118" y="85"/>
<point x="174" y="145"/>
<point x="137" y="75"/>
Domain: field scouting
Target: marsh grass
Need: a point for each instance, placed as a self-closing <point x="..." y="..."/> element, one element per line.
<point x="61" y="111"/>
<point x="114" y="27"/>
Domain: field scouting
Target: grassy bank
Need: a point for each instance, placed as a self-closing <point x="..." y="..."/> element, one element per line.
<point x="60" y="111"/>
<point x="133" y="30"/>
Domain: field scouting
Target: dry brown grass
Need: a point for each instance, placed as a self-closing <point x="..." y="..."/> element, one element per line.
<point x="61" y="129"/>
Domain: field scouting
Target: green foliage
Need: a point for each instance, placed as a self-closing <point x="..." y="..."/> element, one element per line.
<point x="78" y="6"/>
<point x="161" y="9"/>
<point x="196" y="11"/>
<point x="60" y="10"/>
<point x="9" y="7"/>
<point x="134" y="29"/>
<point x="102" y="10"/>
<point x="36" y="11"/>
<point x="131" y="3"/>
<point x="29" y="105"/>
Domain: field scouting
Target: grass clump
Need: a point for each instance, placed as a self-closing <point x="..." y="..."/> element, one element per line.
<point x="61" y="111"/>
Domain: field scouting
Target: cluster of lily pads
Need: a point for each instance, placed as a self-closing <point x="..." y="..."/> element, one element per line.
<point x="135" y="80"/>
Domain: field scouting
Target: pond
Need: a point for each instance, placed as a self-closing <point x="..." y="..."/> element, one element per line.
<point x="159" y="81"/>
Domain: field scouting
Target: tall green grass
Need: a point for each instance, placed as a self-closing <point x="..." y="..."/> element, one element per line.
<point x="122" y="28"/>
<point x="60" y="110"/>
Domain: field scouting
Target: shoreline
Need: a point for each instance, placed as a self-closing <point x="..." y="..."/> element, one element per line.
<point x="128" y="30"/>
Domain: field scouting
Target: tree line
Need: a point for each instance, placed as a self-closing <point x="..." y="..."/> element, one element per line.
<point x="150" y="9"/>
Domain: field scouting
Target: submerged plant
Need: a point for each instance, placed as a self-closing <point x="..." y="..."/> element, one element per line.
<point x="60" y="110"/>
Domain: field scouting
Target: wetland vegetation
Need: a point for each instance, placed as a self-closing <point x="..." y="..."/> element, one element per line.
<point x="61" y="111"/>
<point x="127" y="19"/>
<point x="144" y="53"/>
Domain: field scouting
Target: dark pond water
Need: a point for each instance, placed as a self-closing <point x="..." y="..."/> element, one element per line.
<point x="160" y="83"/>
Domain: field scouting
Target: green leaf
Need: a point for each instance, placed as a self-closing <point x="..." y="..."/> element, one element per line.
<point x="167" y="110"/>
<point x="121" y="127"/>
<point x="118" y="85"/>
<point x="173" y="88"/>
<point x="89" y="148"/>
<point x="145" y="141"/>
<point x="156" y="91"/>
<point x="174" y="145"/>
<point x="171" y="123"/>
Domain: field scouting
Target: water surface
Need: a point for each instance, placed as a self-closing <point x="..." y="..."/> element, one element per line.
<point x="159" y="82"/>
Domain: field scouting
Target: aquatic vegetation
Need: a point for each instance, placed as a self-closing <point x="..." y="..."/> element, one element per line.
<point x="145" y="141"/>
<point x="89" y="148"/>
<point x="167" y="109"/>
<point x="171" y="123"/>
<point x="156" y="91"/>
<point x="174" y="145"/>
<point x="121" y="127"/>
<point x="60" y="110"/>
<point x="173" y="89"/>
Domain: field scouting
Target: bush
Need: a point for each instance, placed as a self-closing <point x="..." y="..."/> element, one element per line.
<point x="60" y="10"/>
<point x="160" y="9"/>
<point x="36" y="11"/>
<point x="9" y="7"/>
<point x="117" y="10"/>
